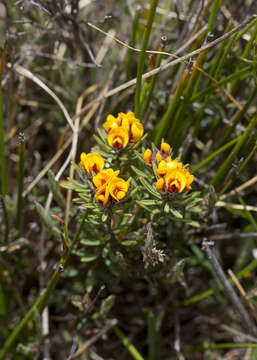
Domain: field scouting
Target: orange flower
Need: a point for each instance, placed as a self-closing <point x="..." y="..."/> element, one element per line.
<point x="103" y="176"/>
<point x="160" y="185"/>
<point x="175" y="180"/>
<point x="102" y="194"/>
<point x="92" y="162"/>
<point x="118" y="138"/>
<point x="165" y="148"/>
<point x="118" y="188"/>
<point x="147" y="156"/>
<point x="111" y="122"/>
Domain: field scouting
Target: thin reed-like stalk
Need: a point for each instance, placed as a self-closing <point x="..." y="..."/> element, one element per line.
<point x="20" y="177"/>
<point x="140" y="67"/>
<point x="2" y="147"/>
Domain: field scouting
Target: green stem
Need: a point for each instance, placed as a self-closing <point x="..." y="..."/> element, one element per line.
<point x="2" y="147"/>
<point x="141" y="61"/>
<point x="162" y="127"/>
<point x="132" y="44"/>
<point x="246" y="161"/>
<point x="43" y="298"/>
<point x="239" y="117"/>
<point x="213" y="15"/>
<point x="128" y="345"/>
<point x="151" y="87"/>
<point x="245" y="55"/>
<point x="214" y="154"/>
<point x="226" y="165"/>
<point x="244" y="72"/>
<point x="221" y="346"/>
<point x="21" y="151"/>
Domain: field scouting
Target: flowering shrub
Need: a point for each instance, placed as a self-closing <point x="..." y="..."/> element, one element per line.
<point x="129" y="192"/>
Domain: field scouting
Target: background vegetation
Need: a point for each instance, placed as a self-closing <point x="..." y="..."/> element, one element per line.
<point x="62" y="70"/>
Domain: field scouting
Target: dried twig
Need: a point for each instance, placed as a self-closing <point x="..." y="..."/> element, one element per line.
<point x="246" y="319"/>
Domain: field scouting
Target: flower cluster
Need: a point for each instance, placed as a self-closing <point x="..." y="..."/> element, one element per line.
<point x="124" y="129"/>
<point x="173" y="177"/>
<point x="106" y="182"/>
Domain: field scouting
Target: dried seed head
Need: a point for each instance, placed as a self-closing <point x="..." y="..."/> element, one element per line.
<point x="21" y="138"/>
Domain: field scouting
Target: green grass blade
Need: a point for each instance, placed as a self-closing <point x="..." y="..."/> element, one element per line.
<point x="2" y="147"/>
<point x="128" y="345"/>
<point x="140" y="67"/>
<point x="21" y="152"/>
<point x="132" y="44"/>
<point x="226" y="165"/>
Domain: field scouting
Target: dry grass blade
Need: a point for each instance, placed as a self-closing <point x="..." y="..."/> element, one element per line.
<point x="28" y="74"/>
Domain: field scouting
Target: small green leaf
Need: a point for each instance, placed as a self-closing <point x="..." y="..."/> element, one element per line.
<point x="139" y="172"/>
<point x="55" y="188"/>
<point x="104" y="217"/>
<point x="129" y="243"/>
<point x="149" y="202"/>
<point x="88" y="242"/>
<point x="166" y="208"/>
<point x="106" y="306"/>
<point x="89" y="258"/>
<point x="47" y="221"/>
<point x="79" y="171"/>
<point x="176" y="213"/>
<point x="149" y="188"/>
<point x="194" y="224"/>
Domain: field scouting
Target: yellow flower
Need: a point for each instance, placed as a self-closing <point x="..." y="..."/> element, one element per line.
<point x="92" y="162"/>
<point x="118" y="188"/>
<point x="158" y="157"/>
<point x="160" y="185"/>
<point x="175" y="180"/>
<point x="132" y="125"/>
<point x="165" y="148"/>
<point x="147" y="156"/>
<point x="111" y="122"/>
<point x="118" y="137"/>
<point x="136" y="131"/>
<point x="164" y="167"/>
<point x="103" y="176"/>
<point x="102" y="194"/>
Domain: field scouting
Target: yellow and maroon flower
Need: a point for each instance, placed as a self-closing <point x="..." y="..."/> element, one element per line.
<point x="118" y="137"/>
<point x="164" y="167"/>
<point x="118" y="188"/>
<point x="92" y="162"/>
<point x="111" y="122"/>
<point x="102" y="194"/>
<point x="147" y="156"/>
<point x="175" y="180"/>
<point x="103" y="176"/>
